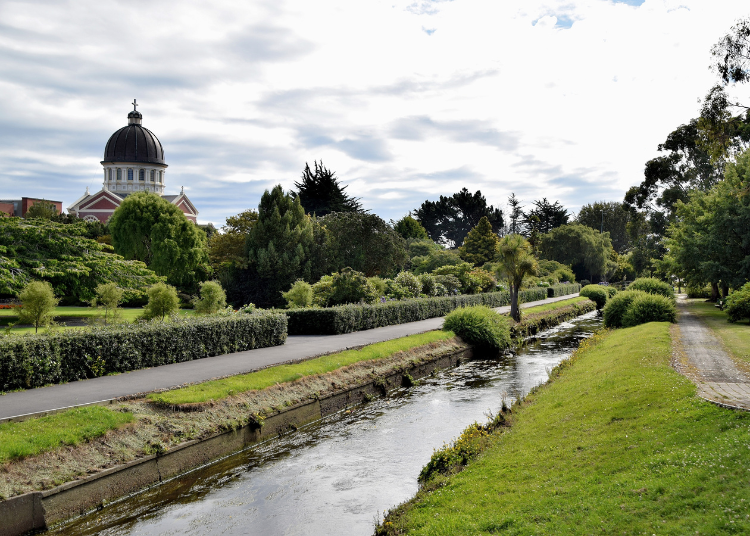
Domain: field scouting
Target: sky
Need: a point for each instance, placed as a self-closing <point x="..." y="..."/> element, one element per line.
<point x="405" y="100"/>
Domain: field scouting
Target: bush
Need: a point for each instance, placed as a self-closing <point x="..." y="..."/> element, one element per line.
<point x="698" y="292"/>
<point x="70" y="355"/>
<point x="617" y="306"/>
<point x="351" y="286"/>
<point x="162" y="301"/>
<point x="212" y="300"/>
<point x="322" y="291"/>
<point x="410" y="283"/>
<point x="585" y="282"/>
<point x="450" y="283"/>
<point x="738" y="304"/>
<point x="596" y="294"/>
<point x="649" y="308"/>
<point x="653" y="286"/>
<point x="484" y="279"/>
<point x="480" y="326"/>
<point x="430" y="286"/>
<point x="378" y="284"/>
<point x="300" y="295"/>
<point x="38" y="304"/>
<point x="108" y="297"/>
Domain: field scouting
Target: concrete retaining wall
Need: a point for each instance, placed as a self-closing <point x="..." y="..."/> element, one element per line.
<point x="38" y="510"/>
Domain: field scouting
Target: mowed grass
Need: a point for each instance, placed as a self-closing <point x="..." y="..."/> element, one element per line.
<point x="736" y="337"/>
<point x="618" y="443"/>
<point x="552" y="306"/>
<point x="218" y="389"/>
<point x="27" y="438"/>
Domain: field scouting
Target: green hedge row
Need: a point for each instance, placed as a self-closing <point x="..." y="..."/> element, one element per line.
<point x="36" y="360"/>
<point x="563" y="289"/>
<point x="358" y="317"/>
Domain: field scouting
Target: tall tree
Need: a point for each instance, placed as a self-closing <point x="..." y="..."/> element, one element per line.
<point x="611" y="217"/>
<point x="586" y="250"/>
<point x="480" y="245"/>
<point x="516" y="262"/>
<point x="515" y="218"/>
<point x="227" y="248"/>
<point x="450" y="219"/>
<point x="320" y="193"/>
<point x="408" y="228"/>
<point x="148" y="228"/>
<point x="545" y="216"/>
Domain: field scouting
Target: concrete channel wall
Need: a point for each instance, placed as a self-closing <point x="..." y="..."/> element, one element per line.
<point x="38" y="510"/>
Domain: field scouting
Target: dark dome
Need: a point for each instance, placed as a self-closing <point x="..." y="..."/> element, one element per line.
<point x="134" y="143"/>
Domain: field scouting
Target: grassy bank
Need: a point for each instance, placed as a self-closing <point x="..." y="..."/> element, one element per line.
<point x="616" y="444"/>
<point x="735" y="337"/>
<point x="553" y="305"/>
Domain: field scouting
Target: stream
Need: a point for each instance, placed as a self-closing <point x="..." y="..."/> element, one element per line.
<point x="338" y="475"/>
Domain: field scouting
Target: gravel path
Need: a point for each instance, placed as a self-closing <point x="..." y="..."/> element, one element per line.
<point x="702" y="358"/>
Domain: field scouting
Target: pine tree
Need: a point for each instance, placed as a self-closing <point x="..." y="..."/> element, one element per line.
<point x="320" y="193"/>
<point x="480" y="245"/>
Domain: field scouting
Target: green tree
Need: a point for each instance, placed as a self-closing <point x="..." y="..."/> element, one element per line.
<point x="41" y="209"/>
<point x="280" y="245"/>
<point x="162" y="302"/>
<point x="611" y="217"/>
<point x="586" y="250"/>
<point x="226" y="249"/>
<point x="515" y="218"/>
<point x="365" y="243"/>
<point x="544" y="217"/>
<point x="148" y="228"/>
<point x="320" y="193"/>
<point x="516" y="262"/>
<point x="212" y="299"/>
<point x="300" y="295"/>
<point x="108" y="297"/>
<point x="450" y="219"/>
<point x="480" y="245"/>
<point x="408" y="228"/>
<point x="38" y="304"/>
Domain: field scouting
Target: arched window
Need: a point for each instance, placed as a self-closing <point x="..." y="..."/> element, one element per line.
<point x="130" y="174"/>
<point x="141" y="175"/>
<point x="119" y="174"/>
<point x="152" y="175"/>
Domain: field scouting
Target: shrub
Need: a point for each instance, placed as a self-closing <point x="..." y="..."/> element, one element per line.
<point x="698" y="292"/>
<point x="451" y="284"/>
<point x="563" y="289"/>
<point x="564" y="274"/>
<point x="462" y="271"/>
<point x="649" y="308"/>
<point x="584" y="282"/>
<point x="611" y="291"/>
<point x="322" y="291"/>
<point x="212" y="300"/>
<point x="410" y="283"/>
<point x="378" y="284"/>
<point x="457" y="453"/>
<point x="38" y="304"/>
<point x="300" y="295"/>
<point x="738" y="304"/>
<point x="108" y="296"/>
<point x="652" y="286"/>
<point x="70" y="355"/>
<point x="162" y="301"/>
<point x="480" y="326"/>
<point x="596" y="294"/>
<point x="351" y="286"/>
<point x="484" y="279"/>
<point x="430" y="286"/>
<point x="617" y="306"/>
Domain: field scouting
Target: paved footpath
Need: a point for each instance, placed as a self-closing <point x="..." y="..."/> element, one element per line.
<point x="297" y="348"/>
<point x="702" y="358"/>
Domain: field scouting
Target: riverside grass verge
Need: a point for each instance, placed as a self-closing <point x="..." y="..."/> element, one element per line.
<point x="735" y="337"/>
<point x="617" y="443"/>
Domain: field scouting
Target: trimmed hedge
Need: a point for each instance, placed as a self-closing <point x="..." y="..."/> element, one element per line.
<point x="649" y="308"/>
<point x="653" y="286"/>
<point x="37" y="360"/>
<point x="358" y="317"/>
<point x="596" y="293"/>
<point x="563" y="289"/>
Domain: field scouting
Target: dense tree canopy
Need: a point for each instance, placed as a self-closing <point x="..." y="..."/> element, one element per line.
<point x="320" y="193"/>
<point x="227" y="248"/>
<point x="42" y="209"/>
<point x="408" y="228"/>
<point x="611" y="217"/>
<point x="480" y="245"/>
<point x="148" y="228"/>
<point x="32" y="250"/>
<point x="450" y="219"/>
<point x="544" y="217"/>
<point x="586" y="250"/>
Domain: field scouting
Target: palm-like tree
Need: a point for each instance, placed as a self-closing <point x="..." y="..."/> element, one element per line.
<point x="516" y="262"/>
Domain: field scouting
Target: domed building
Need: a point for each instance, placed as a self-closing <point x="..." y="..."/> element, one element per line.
<point x="133" y="162"/>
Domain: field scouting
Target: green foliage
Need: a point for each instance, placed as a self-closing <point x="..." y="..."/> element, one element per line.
<point x="480" y="326"/>
<point x="365" y="243"/>
<point x="41" y="250"/>
<point x="483" y="279"/>
<point x="435" y="259"/>
<point x="320" y="193"/>
<point x="466" y="447"/>
<point x="378" y="284"/>
<point x="653" y="286"/>
<point x="462" y="272"/>
<point x="37" y="360"/>
<point x="617" y="306"/>
<point x="109" y="297"/>
<point x="408" y="228"/>
<point x="300" y="295"/>
<point x="451" y="283"/>
<point x="322" y="291"/>
<point x="649" y="308"/>
<point x="596" y="293"/>
<point x="544" y="217"/>
<point x="554" y="272"/>
<point x="481" y="244"/>
<point x="411" y="284"/>
<point x="162" y="302"/>
<point x="515" y="263"/>
<point x="738" y="304"/>
<point x="41" y="209"/>
<point x="581" y="247"/>
<point x="227" y="248"/>
<point x="350" y="286"/>
<point x="430" y="286"/>
<point x="611" y="291"/>
<point x="148" y="228"/>
<point x="611" y="217"/>
<point x="212" y="299"/>
<point x="421" y="247"/>
<point x="38" y="302"/>
<point x="563" y="289"/>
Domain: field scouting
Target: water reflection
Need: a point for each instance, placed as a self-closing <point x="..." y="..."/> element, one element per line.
<point x="339" y="475"/>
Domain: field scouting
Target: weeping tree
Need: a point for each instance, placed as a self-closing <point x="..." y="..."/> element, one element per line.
<point x="516" y="261"/>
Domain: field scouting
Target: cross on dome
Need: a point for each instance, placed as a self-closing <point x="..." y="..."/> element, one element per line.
<point x="134" y="105"/>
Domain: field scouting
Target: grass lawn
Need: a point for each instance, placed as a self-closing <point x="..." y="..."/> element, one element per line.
<point x="218" y="389"/>
<point x="618" y="443"/>
<point x="21" y="439"/>
<point x="736" y="337"/>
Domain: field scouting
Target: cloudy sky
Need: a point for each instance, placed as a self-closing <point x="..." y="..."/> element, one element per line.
<point x="406" y="100"/>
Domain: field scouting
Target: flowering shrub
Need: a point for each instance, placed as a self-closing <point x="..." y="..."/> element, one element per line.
<point x="10" y="306"/>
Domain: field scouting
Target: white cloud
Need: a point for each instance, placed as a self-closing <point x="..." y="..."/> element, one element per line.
<point x="557" y="99"/>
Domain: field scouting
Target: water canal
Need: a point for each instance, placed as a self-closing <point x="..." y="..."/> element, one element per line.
<point x="337" y="476"/>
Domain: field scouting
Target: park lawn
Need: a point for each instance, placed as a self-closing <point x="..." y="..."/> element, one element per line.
<point x="735" y="337"/>
<point x="253" y="381"/>
<point x="71" y="427"/>
<point x="553" y="305"/>
<point x="617" y="443"/>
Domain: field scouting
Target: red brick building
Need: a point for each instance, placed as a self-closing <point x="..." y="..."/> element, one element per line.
<point x="19" y="207"/>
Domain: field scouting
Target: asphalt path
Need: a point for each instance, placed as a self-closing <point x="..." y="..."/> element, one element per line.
<point x="20" y="404"/>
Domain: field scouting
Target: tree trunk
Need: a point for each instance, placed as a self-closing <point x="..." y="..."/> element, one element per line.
<point x="714" y="292"/>
<point x="724" y="290"/>
<point x="515" y="313"/>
